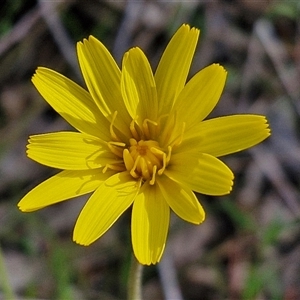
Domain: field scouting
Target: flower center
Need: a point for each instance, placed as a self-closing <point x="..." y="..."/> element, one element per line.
<point x="145" y="159"/>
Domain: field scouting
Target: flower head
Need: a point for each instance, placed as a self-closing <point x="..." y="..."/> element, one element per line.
<point x="141" y="140"/>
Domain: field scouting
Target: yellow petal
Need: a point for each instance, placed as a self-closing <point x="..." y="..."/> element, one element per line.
<point x="103" y="78"/>
<point x="200" y="95"/>
<point x="181" y="200"/>
<point x="174" y="65"/>
<point x="138" y="86"/>
<point x="69" y="150"/>
<point x="201" y="173"/>
<point x="226" y="135"/>
<point x="104" y="207"/>
<point x="72" y="102"/>
<point x="62" y="186"/>
<point x="149" y="224"/>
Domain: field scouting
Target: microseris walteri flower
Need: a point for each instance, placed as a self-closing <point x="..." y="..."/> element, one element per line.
<point x="141" y="140"/>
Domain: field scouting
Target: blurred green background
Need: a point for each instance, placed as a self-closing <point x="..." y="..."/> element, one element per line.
<point x="249" y="245"/>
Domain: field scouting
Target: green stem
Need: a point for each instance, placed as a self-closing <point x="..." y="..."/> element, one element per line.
<point x="5" y="285"/>
<point x="135" y="280"/>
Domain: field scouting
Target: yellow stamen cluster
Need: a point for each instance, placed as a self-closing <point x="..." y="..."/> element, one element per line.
<point x="142" y="156"/>
<point x="145" y="159"/>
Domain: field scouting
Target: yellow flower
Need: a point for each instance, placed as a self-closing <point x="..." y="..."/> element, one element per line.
<point x="141" y="141"/>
